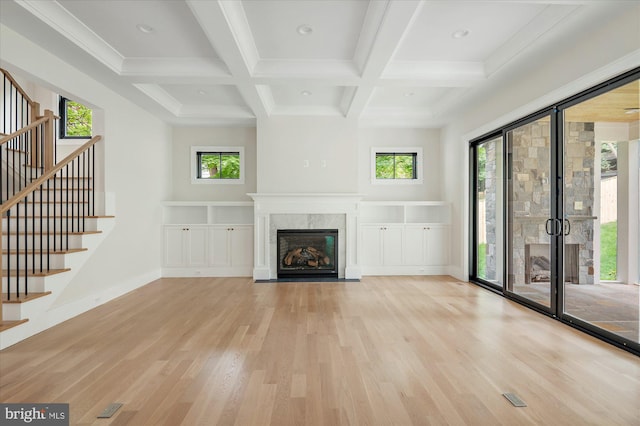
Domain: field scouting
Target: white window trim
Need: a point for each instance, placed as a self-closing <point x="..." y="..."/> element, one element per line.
<point x="411" y="150"/>
<point x="194" y="161"/>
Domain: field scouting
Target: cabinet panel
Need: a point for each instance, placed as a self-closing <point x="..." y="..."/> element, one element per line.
<point x="197" y="246"/>
<point x="392" y="238"/>
<point x="371" y="245"/>
<point x="242" y="246"/>
<point x="174" y="246"/>
<point x="414" y="245"/>
<point x="437" y="246"/>
<point x="219" y="244"/>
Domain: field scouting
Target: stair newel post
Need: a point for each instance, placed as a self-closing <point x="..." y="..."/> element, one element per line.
<point x="33" y="151"/>
<point x="49" y="140"/>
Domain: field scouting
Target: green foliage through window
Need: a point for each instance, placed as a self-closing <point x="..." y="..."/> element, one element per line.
<point x="218" y="165"/>
<point x="76" y="120"/>
<point x="396" y="165"/>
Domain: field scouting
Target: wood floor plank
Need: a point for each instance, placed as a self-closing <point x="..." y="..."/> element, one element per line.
<point x="386" y="350"/>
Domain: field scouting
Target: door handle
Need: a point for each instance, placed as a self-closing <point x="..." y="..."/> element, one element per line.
<point x="557" y="227"/>
<point x="567" y="230"/>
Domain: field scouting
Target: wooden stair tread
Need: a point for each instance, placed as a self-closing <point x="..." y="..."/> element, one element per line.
<point x="22" y="298"/>
<point x="6" y="325"/>
<point x="30" y="273"/>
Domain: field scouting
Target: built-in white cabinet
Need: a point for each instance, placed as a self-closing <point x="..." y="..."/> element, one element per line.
<point x="231" y="246"/>
<point x="208" y="239"/>
<point x="402" y="238"/>
<point x="185" y="246"/>
<point x="382" y="244"/>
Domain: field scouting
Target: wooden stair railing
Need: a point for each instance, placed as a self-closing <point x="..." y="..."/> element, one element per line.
<point x="43" y="216"/>
<point x="19" y="110"/>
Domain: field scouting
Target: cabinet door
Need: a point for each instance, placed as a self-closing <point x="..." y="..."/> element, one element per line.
<point x="219" y="246"/>
<point x="241" y="246"/>
<point x="392" y="245"/>
<point x="437" y="245"/>
<point x="371" y="245"/>
<point x="174" y="246"/>
<point x="197" y="246"/>
<point x="414" y="245"/>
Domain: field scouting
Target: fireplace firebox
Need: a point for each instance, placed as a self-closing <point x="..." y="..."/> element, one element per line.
<point x="307" y="253"/>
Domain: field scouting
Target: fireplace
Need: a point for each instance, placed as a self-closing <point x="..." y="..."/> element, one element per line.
<point x="538" y="265"/>
<point x="307" y="253"/>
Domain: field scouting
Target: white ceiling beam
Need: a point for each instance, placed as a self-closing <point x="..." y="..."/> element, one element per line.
<point x="396" y="20"/>
<point x="227" y="29"/>
<point x="174" y="67"/>
<point x="58" y="18"/>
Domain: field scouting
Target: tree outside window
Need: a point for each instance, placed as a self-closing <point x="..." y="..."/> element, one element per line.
<point x="76" y="120"/>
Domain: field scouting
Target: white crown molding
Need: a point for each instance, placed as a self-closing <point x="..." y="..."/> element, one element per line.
<point x="289" y="68"/>
<point x="319" y="110"/>
<point x="215" y="111"/>
<point x="174" y="67"/>
<point x="266" y="96"/>
<point x="161" y="96"/>
<point x="58" y="18"/>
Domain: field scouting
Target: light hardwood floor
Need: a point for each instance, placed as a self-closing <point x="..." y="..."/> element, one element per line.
<point x="386" y="350"/>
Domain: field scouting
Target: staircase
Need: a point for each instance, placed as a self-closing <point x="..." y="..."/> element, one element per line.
<point x="48" y="210"/>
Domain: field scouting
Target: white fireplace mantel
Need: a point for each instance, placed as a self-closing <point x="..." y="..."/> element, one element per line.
<point x="268" y="204"/>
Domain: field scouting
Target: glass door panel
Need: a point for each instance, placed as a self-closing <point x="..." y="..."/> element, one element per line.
<point x="600" y="238"/>
<point x="489" y="198"/>
<point x="530" y="226"/>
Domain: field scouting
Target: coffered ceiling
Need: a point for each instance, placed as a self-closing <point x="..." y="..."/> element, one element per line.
<point x="213" y="62"/>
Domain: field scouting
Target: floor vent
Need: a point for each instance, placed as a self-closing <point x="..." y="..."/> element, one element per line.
<point x="110" y="410"/>
<point x="514" y="400"/>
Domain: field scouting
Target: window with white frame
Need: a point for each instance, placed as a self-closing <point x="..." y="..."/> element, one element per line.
<point x="217" y="164"/>
<point x="396" y="165"/>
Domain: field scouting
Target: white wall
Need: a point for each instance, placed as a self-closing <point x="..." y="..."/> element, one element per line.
<point x="427" y="139"/>
<point x="307" y="154"/>
<point x="137" y="151"/>
<point x="186" y="137"/>
<point x="605" y="46"/>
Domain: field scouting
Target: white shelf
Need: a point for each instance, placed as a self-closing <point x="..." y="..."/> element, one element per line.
<point x="208" y="213"/>
<point x="405" y="212"/>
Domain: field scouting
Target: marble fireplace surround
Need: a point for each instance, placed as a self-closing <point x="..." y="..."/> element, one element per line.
<point x="273" y="211"/>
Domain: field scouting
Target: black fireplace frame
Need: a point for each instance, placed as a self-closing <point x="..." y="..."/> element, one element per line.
<point x="331" y="271"/>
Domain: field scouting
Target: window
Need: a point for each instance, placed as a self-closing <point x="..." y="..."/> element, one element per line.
<point x="75" y="119"/>
<point x="216" y="164"/>
<point x="394" y="165"/>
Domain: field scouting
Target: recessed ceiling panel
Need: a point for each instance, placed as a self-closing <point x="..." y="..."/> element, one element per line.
<point x="464" y="31"/>
<point x="306" y="29"/>
<point x="188" y="94"/>
<point x="144" y="29"/>
<point x="399" y="97"/>
<point x="303" y="95"/>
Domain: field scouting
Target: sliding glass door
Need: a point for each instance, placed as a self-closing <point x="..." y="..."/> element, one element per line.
<point x="556" y="210"/>
<point x="489" y="211"/>
<point x="530" y="223"/>
<point x="600" y="144"/>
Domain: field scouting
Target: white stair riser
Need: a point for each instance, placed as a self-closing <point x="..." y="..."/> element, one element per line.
<point x="71" y="194"/>
<point x="18" y="262"/>
<point x="75" y="241"/>
<point x="60" y="209"/>
<point x="20" y="311"/>
<point x="34" y="284"/>
<point x="48" y="224"/>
